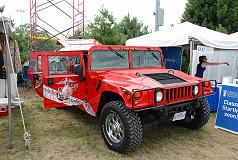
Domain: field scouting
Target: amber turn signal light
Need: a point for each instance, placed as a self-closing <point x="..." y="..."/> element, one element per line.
<point x="137" y="95"/>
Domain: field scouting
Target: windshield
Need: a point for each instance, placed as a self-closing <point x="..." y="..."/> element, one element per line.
<point x="105" y="59"/>
<point x="146" y="58"/>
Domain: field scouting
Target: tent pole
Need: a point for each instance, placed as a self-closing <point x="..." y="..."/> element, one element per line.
<point x="191" y="46"/>
<point x="181" y="60"/>
<point x="8" y="65"/>
<point x="9" y="98"/>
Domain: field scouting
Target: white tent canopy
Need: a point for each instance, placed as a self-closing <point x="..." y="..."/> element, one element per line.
<point x="180" y="34"/>
<point x="223" y="47"/>
<point x="234" y="36"/>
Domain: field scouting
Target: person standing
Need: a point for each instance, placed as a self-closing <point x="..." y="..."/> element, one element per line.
<point x="16" y="63"/>
<point x="203" y="62"/>
<point x="2" y="68"/>
<point x="2" y="73"/>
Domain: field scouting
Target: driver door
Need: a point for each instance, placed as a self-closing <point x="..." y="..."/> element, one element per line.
<point x="61" y="85"/>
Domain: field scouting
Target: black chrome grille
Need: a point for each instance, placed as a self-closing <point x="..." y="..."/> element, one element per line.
<point x="180" y="93"/>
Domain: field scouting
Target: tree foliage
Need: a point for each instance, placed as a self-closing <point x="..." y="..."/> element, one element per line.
<point x="2" y="9"/>
<point x="107" y="31"/>
<point x="103" y="28"/>
<point x="227" y="13"/>
<point x="220" y="15"/>
<point x="131" y="27"/>
<point x="21" y="35"/>
<point x="45" y="45"/>
<point x="78" y="34"/>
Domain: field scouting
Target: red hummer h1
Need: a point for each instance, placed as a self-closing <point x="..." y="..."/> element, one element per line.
<point x="128" y="87"/>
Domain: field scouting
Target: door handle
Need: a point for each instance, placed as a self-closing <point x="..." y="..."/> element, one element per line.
<point x="50" y="81"/>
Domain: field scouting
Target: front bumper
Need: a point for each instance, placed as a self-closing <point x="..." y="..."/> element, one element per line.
<point x="176" y="96"/>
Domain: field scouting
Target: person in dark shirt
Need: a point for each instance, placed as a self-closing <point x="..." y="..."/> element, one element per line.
<point x="201" y="67"/>
<point x="2" y="68"/>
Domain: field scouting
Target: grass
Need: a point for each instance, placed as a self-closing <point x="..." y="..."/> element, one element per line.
<point x="72" y="134"/>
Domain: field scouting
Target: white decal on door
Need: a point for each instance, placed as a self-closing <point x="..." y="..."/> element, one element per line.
<point x="65" y="92"/>
<point x="64" y="96"/>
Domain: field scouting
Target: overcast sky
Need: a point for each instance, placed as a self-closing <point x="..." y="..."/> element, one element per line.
<point x="142" y="9"/>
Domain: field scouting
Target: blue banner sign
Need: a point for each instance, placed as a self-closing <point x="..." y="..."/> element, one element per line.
<point x="172" y="57"/>
<point x="227" y="114"/>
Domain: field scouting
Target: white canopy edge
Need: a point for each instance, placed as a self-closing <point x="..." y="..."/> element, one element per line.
<point x="234" y="36"/>
<point x="180" y="34"/>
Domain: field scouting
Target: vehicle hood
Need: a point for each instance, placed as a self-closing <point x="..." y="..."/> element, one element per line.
<point x="144" y="79"/>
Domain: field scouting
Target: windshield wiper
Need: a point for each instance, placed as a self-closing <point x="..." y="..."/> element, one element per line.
<point x="114" y="51"/>
<point x="153" y="54"/>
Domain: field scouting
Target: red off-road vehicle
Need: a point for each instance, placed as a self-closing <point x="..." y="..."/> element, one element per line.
<point x="124" y="85"/>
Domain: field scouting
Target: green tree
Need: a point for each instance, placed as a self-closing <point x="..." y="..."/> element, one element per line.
<point x="227" y="13"/>
<point x="2" y="9"/>
<point x="46" y="44"/>
<point x="130" y="28"/>
<point x="78" y="34"/>
<point x="220" y="15"/>
<point x="185" y="61"/>
<point x="21" y="35"/>
<point x="103" y="28"/>
<point x="202" y="13"/>
<point x="107" y="31"/>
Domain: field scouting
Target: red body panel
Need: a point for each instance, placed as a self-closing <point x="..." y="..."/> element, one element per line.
<point x="123" y="82"/>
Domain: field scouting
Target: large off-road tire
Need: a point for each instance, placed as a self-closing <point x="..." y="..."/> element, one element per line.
<point x="121" y="128"/>
<point x="200" y="117"/>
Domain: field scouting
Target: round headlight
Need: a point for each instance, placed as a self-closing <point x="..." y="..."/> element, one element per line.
<point x="159" y="96"/>
<point x="195" y="90"/>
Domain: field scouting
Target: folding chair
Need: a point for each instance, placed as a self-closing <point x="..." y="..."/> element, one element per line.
<point x="25" y="77"/>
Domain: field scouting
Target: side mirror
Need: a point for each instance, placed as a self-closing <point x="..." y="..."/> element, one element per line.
<point x="78" y="70"/>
